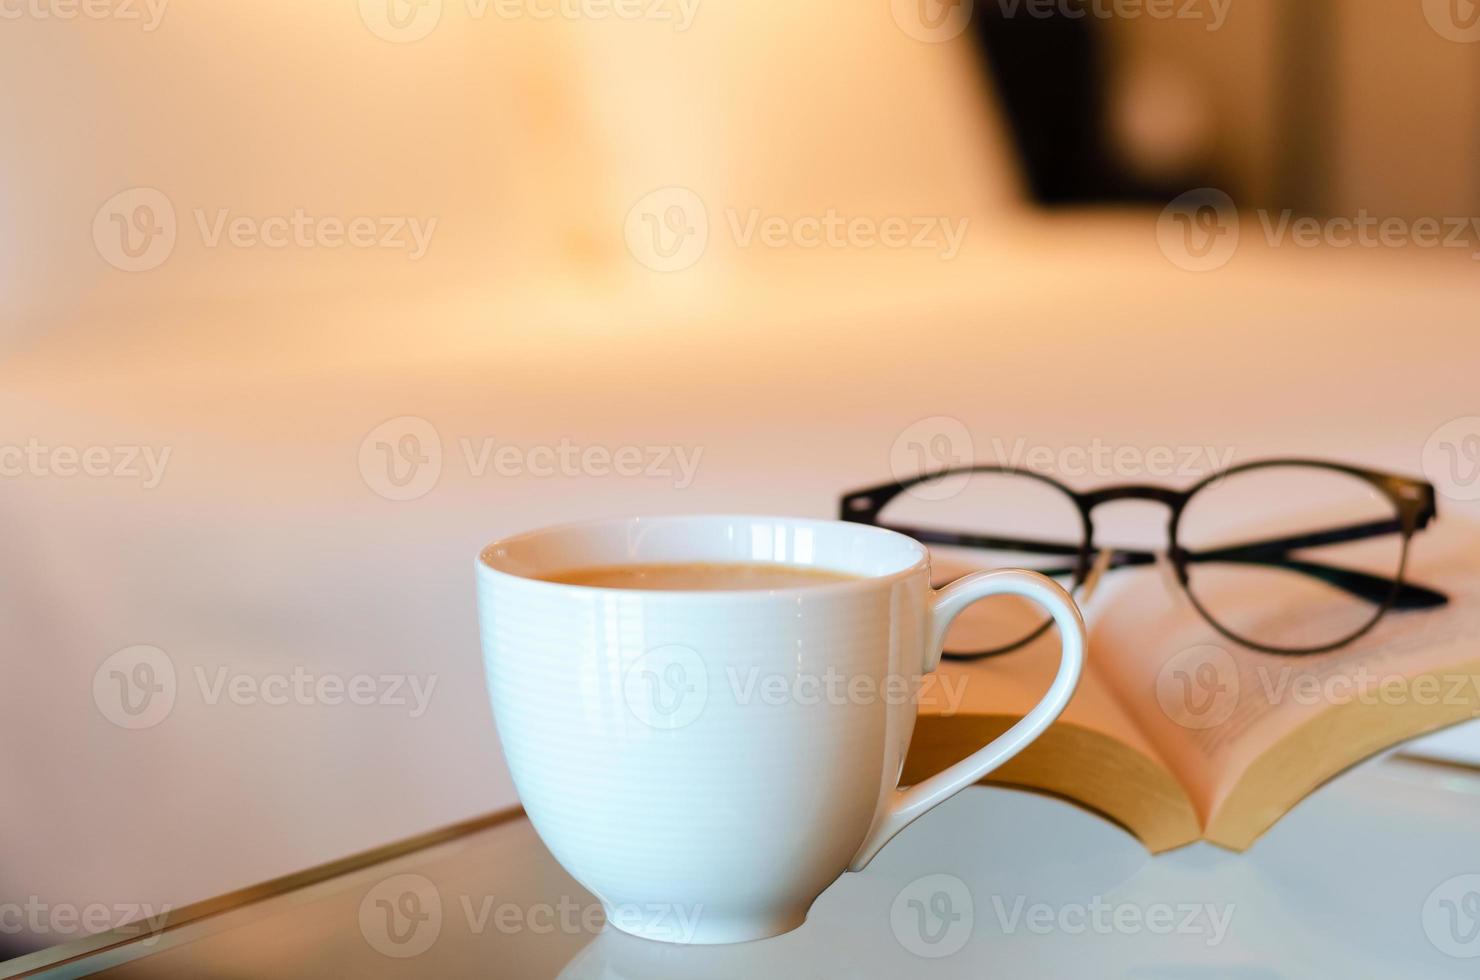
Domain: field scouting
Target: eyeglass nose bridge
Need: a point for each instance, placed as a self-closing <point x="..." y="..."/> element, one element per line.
<point x="1161" y="495"/>
<point x="1174" y="500"/>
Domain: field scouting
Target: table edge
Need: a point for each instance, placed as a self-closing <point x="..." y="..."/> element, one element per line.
<point x="59" y="955"/>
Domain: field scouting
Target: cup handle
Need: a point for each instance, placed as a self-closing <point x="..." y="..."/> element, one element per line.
<point x="904" y="805"/>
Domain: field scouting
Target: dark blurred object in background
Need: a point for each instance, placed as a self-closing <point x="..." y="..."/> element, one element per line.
<point x="1050" y="71"/>
<point x="1324" y="107"/>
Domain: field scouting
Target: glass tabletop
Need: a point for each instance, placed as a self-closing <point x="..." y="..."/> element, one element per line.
<point x="1368" y="877"/>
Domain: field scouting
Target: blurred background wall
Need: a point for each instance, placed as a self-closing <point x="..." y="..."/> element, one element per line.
<point x="527" y="137"/>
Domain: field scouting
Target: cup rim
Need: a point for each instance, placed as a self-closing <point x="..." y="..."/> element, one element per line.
<point x="921" y="562"/>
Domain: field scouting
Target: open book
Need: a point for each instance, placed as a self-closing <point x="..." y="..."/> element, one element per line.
<point x="1179" y="734"/>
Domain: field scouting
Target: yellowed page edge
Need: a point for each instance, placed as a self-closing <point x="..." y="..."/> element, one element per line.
<point x="1089" y="768"/>
<point x="1328" y="745"/>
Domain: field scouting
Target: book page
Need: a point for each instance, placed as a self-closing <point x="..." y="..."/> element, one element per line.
<point x="1094" y="754"/>
<point x="1212" y="707"/>
<point x="1011" y="684"/>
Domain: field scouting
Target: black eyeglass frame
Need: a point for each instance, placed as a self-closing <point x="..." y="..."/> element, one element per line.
<point x="1414" y="503"/>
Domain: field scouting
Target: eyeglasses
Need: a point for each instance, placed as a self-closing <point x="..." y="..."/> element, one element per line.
<point x="1283" y="556"/>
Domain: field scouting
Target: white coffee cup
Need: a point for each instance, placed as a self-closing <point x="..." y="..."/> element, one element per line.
<point x="706" y="763"/>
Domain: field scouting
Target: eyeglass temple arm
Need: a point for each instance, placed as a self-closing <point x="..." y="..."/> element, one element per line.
<point x="1373" y="588"/>
<point x="1271" y="552"/>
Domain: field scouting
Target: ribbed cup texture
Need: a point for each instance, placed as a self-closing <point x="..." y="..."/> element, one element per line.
<point x="724" y="754"/>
